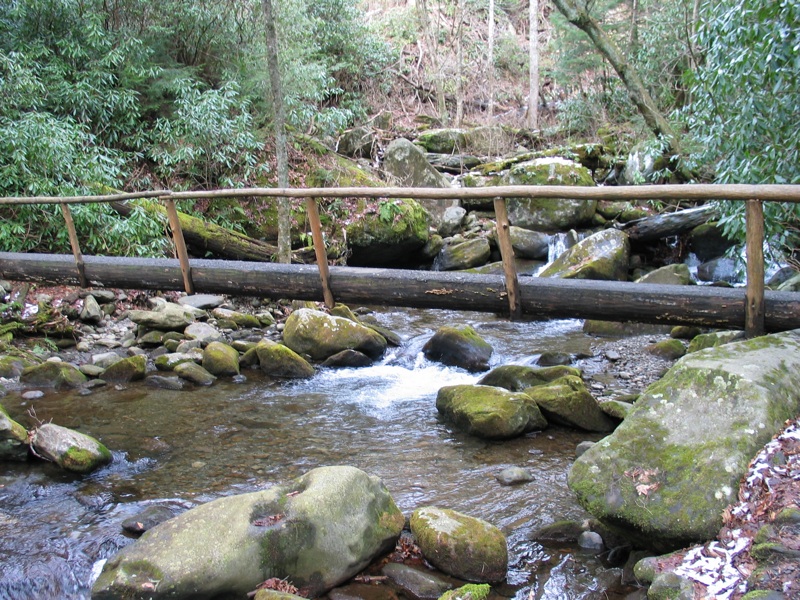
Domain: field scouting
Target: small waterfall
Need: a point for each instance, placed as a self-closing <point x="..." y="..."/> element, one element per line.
<point x="561" y="242"/>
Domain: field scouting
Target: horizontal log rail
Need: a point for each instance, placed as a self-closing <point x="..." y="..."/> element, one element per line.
<point x="753" y="313"/>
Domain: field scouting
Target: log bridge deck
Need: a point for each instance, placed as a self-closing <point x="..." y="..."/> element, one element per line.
<point x="539" y="298"/>
<point x="753" y="309"/>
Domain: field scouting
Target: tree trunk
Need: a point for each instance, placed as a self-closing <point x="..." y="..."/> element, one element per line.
<point x="669" y="224"/>
<point x="657" y="123"/>
<point x="431" y="46"/>
<point x="533" y="92"/>
<point x="634" y="28"/>
<point x="281" y="153"/>
<point x="460" y="53"/>
<point x="490" y="68"/>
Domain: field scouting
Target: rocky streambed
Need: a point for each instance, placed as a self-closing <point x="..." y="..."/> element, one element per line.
<point x="343" y="428"/>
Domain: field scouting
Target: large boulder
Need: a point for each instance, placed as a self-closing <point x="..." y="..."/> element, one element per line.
<point x="54" y="374"/>
<point x="389" y="235"/>
<point x="316" y="532"/>
<point x="460" y="545"/>
<point x="13" y="438"/>
<point x="69" y="449"/>
<point x="566" y="401"/>
<point x="319" y="335"/>
<point x="489" y="412"/>
<point x="549" y="214"/>
<point x="463" y="255"/>
<point x="669" y="470"/>
<point x="603" y="255"/>
<point x="459" y="347"/>
<point x="442" y="141"/>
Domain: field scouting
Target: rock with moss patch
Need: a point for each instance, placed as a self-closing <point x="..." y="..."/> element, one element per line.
<point x="677" y="274"/>
<point x="168" y="362"/>
<point x="221" y="360"/>
<point x="69" y="449"/>
<point x="241" y="319"/>
<point x="549" y="214"/>
<point x="133" y="368"/>
<point x="194" y="373"/>
<point x="460" y="545"/>
<point x="316" y="531"/>
<point x="13" y="438"/>
<point x="669" y="470"/>
<point x="319" y="335"/>
<point x="459" y="347"/>
<point x="670" y="349"/>
<point x="167" y="316"/>
<point x="471" y="591"/>
<point x="489" y="412"/>
<point x="277" y="360"/>
<point x="520" y="377"/>
<point x="603" y="255"/>
<point x="529" y="244"/>
<point x="11" y="365"/>
<point x="713" y="339"/>
<point x="566" y="401"/>
<point x="463" y="255"/>
<point x="55" y="374"/>
<point x="443" y="141"/>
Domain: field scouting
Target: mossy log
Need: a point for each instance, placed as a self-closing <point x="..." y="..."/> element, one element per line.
<point x="669" y="224"/>
<point x="203" y="237"/>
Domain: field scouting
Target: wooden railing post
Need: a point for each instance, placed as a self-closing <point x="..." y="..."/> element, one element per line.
<point x="507" y="252"/>
<point x="754" y="307"/>
<point x="320" y="250"/>
<point x="76" y="249"/>
<point x="180" y="244"/>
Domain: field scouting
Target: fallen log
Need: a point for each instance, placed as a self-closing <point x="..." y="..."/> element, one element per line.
<point x="540" y="298"/>
<point x="669" y="224"/>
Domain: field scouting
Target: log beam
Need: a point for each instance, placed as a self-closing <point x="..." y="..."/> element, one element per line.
<point x="540" y="298"/>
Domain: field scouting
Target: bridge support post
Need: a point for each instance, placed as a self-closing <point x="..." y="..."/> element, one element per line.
<point x="754" y="305"/>
<point x="507" y="252"/>
<point x="180" y="244"/>
<point x="76" y="249"/>
<point x="320" y="250"/>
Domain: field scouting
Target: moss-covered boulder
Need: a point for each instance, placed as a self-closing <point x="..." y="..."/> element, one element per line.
<point x="677" y="274"/>
<point x="566" y="401"/>
<point x="669" y="470"/>
<point x="221" y="360"/>
<point x="389" y="235"/>
<point x="603" y="255"/>
<point x="168" y="362"/>
<point x="406" y="165"/>
<point x="713" y="339"/>
<point x="69" y="449"/>
<point x="12" y="365"/>
<point x="13" y="438"/>
<point x="277" y="360"/>
<point x="489" y="412"/>
<point x="53" y="374"/>
<point x="241" y="319"/>
<point x="443" y="141"/>
<point x="316" y="531"/>
<point x="460" y="545"/>
<point x="549" y="214"/>
<point x="517" y="378"/>
<point x="459" y="347"/>
<point x="194" y="373"/>
<point x="319" y="335"/>
<point x="670" y="349"/>
<point x="463" y="255"/>
<point x="133" y="368"/>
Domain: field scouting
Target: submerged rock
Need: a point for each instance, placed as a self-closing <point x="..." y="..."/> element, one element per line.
<point x="460" y="545"/>
<point x="317" y="531"/>
<point x="416" y="582"/>
<point x="669" y="470"/>
<point x="69" y="449"/>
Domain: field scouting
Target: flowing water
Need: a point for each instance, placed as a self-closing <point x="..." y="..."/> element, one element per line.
<point x="183" y="448"/>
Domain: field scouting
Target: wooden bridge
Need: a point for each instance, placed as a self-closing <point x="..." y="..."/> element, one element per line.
<point x="752" y="308"/>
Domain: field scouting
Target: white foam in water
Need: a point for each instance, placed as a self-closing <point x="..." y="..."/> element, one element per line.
<point x="97" y="568"/>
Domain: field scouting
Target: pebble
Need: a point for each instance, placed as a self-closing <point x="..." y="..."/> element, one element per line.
<point x="589" y="540"/>
<point x="612" y="355"/>
<point x="32" y="394"/>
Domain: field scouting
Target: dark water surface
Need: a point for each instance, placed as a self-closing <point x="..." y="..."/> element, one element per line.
<point x="183" y="448"/>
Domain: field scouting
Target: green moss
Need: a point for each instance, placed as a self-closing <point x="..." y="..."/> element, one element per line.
<point x="471" y="591"/>
<point x="81" y="460"/>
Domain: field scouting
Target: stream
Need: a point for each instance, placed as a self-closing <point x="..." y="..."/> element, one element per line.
<point x="181" y="448"/>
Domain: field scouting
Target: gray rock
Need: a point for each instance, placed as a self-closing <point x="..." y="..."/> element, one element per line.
<point x="147" y="519"/>
<point x="203" y="333"/>
<point x="32" y="395"/>
<point x="317" y="531"/>
<point x="58" y="375"/>
<point x="106" y="359"/>
<point x="583" y="447"/>
<point x="166" y="317"/>
<point x="194" y="373"/>
<point x="133" y="368"/>
<point x="554" y="359"/>
<point x="677" y="274"/>
<point x="459" y="347"/>
<point x="443" y="141"/>
<point x="239" y="318"/>
<point x="357" y="142"/>
<point x="91" y="312"/>
<point x="669" y="586"/>
<point x="517" y="378"/>
<point x="164" y="383"/>
<point x="419" y="584"/>
<point x="566" y="401"/>
<point x="201" y="301"/>
<point x="669" y="470"/>
<point x="460" y="545"/>
<point x="590" y="540"/>
<point x="529" y="244"/>
<point x="348" y="359"/>
<point x="168" y="362"/>
<point x="320" y="335"/>
<point x="452" y="219"/>
<point x="603" y="256"/>
<point x="69" y="449"/>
